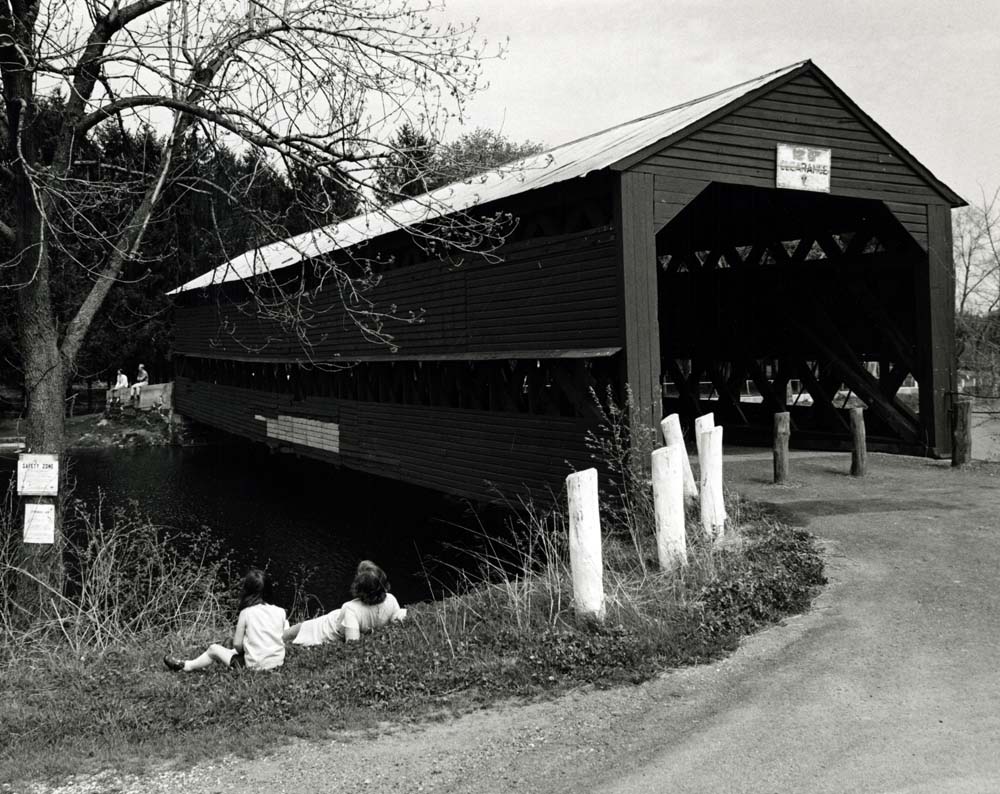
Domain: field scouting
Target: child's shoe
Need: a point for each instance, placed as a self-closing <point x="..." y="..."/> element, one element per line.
<point x="173" y="663"/>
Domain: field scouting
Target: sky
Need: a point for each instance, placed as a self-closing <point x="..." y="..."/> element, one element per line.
<point x="928" y="71"/>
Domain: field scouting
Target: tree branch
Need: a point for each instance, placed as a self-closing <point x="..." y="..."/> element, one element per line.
<point x="267" y="138"/>
<point x="77" y="328"/>
<point x="87" y="69"/>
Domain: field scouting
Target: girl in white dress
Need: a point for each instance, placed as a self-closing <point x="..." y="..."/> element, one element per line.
<point x="257" y="641"/>
<point x="373" y="606"/>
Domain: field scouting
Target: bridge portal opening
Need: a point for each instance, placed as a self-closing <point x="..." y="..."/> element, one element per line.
<point x="776" y="300"/>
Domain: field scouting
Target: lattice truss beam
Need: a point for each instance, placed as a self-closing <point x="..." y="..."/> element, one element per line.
<point x="759" y="290"/>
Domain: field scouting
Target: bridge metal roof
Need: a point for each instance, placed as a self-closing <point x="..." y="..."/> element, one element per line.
<point x="568" y="161"/>
<point x="614" y="147"/>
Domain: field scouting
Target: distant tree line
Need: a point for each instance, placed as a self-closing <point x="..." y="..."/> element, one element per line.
<point x="221" y="203"/>
<point x="417" y="164"/>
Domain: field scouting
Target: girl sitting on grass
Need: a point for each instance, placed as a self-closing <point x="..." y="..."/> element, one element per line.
<point x="373" y="607"/>
<point x="257" y="642"/>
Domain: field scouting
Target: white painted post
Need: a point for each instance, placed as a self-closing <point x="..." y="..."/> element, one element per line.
<point x="670" y="426"/>
<point x="718" y="497"/>
<point x="668" y="505"/>
<point x="585" y="556"/>
<point x="713" y="508"/>
<point x="701" y="425"/>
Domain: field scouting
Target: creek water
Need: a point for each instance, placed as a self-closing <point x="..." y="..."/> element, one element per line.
<point x="297" y="517"/>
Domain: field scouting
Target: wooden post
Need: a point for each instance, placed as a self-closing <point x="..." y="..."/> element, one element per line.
<point x="859" y="457"/>
<point x="635" y="229"/>
<point x="961" y="432"/>
<point x="670" y="426"/>
<point x="702" y="429"/>
<point x="719" y="500"/>
<point x="702" y="424"/>
<point x="668" y="505"/>
<point x="713" y="509"/>
<point x="935" y="327"/>
<point x="585" y="556"/>
<point x="782" y="429"/>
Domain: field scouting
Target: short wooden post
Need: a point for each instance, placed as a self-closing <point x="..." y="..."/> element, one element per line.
<point x="702" y="429"/>
<point x="668" y="505"/>
<point x="701" y="425"/>
<point x="961" y="432"/>
<point x="782" y="430"/>
<point x="719" y="502"/>
<point x="713" y="508"/>
<point x="859" y="455"/>
<point x="670" y="426"/>
<point x="585" y="556"/>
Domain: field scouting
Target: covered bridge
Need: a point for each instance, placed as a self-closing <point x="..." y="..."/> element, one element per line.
<point x="768" y="247"/>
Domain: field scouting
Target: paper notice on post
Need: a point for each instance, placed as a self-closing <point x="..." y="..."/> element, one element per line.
<point x="39" y="523"/>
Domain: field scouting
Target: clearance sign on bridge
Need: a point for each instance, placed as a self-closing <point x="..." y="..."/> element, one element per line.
<point x="803" y="168"/>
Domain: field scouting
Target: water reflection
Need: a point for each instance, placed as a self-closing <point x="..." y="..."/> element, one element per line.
<point x="284" y="512"/>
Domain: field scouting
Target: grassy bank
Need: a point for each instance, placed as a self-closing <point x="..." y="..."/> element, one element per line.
<point x="125" y="430"/>
<point x="88" y="689"/>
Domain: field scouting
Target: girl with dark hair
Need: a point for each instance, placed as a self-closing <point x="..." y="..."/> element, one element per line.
<point x="373" y="606"/>
<point x="257" y="642"/>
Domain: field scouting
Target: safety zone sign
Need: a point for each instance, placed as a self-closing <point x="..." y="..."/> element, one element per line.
<point x="38" y="475"/>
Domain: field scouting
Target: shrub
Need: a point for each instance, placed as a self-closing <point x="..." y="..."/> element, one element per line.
<point x="127" y="581"/>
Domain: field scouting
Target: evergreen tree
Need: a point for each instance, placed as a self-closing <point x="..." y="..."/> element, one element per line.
<point x="405" y="170"/>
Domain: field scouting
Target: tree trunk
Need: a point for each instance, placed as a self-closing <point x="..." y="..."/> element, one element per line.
<point x="45" y="383"/>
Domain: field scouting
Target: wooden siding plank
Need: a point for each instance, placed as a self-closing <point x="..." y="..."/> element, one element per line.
<point x="793" y="108"/>
<point x="740" y="147"/>
<point x="517" y="452"/>
<point x="734" y="136"/>
<point x="554" y="290"/>
<point x="763" y="150"/>
<point x="913" y="217"/>
<point x="755" y="174"/>
<point x="671" y="196"/>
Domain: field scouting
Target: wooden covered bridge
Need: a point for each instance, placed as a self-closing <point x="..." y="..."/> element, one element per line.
<point x="768" y="247"/>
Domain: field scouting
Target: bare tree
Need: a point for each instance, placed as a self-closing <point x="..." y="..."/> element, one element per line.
<point x="976" y="235"/>
<point x="313" y="85"/>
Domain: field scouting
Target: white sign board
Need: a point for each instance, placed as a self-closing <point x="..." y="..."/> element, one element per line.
<point x="803" y="168"/>
<point x="39" y="523"/>
<point x="38" y="475"/>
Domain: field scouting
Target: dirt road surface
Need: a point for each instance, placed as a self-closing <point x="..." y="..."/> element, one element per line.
<point x="889" y="684"/>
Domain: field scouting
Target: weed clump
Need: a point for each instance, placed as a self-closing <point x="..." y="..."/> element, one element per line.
<point x="127" y="582"/>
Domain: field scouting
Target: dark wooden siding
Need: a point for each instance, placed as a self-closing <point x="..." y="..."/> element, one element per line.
<point x="740" y="148"/>
<point x="553" y="293"/>
<point x="463" y="452"/>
